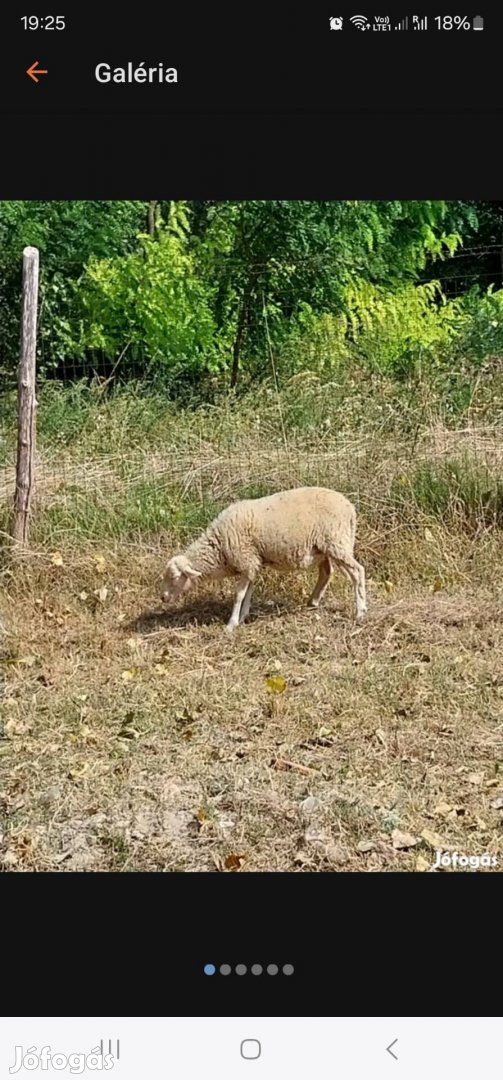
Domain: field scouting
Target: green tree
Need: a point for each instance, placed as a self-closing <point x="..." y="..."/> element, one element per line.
<point x="285" y="254"/>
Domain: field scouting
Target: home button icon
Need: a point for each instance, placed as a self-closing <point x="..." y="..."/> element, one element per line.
<point x="250" y="1049"/>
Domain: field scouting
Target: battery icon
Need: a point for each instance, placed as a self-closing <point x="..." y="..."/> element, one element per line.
<point x="478" y="23"/>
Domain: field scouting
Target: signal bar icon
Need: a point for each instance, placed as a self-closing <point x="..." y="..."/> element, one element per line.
<point x="403" y="25"/>
<point x="418" y="23"/>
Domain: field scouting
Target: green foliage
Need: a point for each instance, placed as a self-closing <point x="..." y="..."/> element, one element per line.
<point x="193" y="295"/>
<point x="67" y="235"/>
<point x="152" y="302"/>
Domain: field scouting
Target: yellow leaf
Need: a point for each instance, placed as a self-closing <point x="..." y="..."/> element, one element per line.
<point x="57" y="559"/>
<point x="402" y="479"/>
<point x="388" y="585"/>
<point x="438" y="584"/>
<point x="276" y="684"/>
<point x="422" y="864"/>
<point x="429" y="536"/>
<point x="100" y="563"/>
<point x="129" y="674"/>
<point x="432" y="839"/>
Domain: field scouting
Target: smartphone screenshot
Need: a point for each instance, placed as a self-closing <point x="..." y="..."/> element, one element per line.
<point x="251" y="523"/>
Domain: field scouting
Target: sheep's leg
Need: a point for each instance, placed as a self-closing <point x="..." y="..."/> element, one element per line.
<point x="320" y="588"/>
<point x="245" y="606"/>
<point x="353" y="569"/>
<point x="243" y="584"/>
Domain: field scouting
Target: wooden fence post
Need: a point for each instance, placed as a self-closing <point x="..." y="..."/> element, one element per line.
<point x="25" y="469"/>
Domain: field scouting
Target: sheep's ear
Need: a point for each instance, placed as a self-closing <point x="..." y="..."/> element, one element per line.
<point x="184" y="567"/>
<point x="190" y="572"/>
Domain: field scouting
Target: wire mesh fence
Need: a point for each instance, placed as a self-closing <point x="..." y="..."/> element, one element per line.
<point x="118" y="459"/>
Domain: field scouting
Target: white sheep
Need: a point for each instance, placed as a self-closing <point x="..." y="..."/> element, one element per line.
<point x="294" y="528"/>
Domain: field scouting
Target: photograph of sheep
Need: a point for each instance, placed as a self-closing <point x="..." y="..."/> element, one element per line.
<point x="251" y="516"/>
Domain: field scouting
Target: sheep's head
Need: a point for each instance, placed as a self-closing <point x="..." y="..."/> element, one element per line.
<point x="178" y="578"/>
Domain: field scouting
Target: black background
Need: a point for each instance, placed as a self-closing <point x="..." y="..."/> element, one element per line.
<point x="269" y="105"/>
<point x="111" y="944"/>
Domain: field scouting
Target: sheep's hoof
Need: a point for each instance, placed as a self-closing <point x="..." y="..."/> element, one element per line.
<point x="230" y="628"/>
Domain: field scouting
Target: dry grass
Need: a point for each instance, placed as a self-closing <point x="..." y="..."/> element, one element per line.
<point x="136" y="739"/>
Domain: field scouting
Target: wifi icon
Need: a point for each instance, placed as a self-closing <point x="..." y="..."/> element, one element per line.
<point x="360" y="21"/>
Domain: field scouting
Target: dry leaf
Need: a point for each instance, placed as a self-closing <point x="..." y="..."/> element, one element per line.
<point x="15" y="727"/>
<point x="432" y="839"/>
<point x="365" y="845"/>
<point x="121" y="616"/>
<point x="443" y="809"/>
<point x="100" y="563"/>
<point x="381" y="735"/>
<point x="57" y="559"/>
<point x="388" y="585"/>
<point x="402" y="841"/>
<point x="161" y="669"/>
<point x="438" y="584"/>
<point x="83" y="595"/>
<point x="129" y="674"/>
<point x="276" y="684"/>
<point x="201" y="815"/>
<point x="422" y="864"/>
<point x="133" y="642"/>
<point x="475" y="778"/>
<point x="497" y="804"/>
<point x="429" y="536"/>
<point x="234" y="862"/>
<point x="102" y="594"/>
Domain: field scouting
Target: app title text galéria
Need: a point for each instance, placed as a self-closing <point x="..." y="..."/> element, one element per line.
<point x="135" y="73"/>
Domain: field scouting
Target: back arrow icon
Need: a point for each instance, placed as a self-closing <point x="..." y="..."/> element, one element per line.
<point x="389" y="1050"/>
<point x="34" y="70"/>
